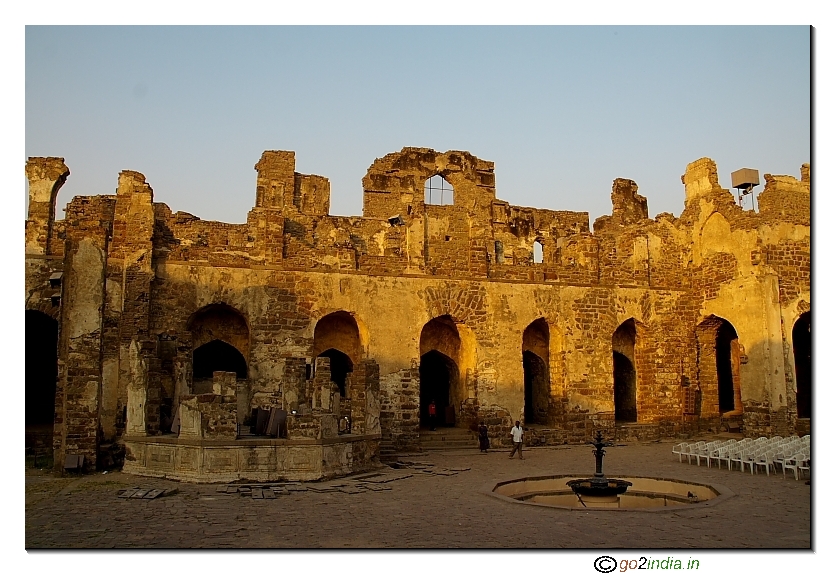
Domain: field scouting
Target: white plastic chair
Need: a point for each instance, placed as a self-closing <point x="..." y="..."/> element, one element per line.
<point x="764" y="459"/>
<point x="680" y="450"/>
<point x="692" y="450"/>
<point x="719" y="454"/>
<point x="797" y="464"/>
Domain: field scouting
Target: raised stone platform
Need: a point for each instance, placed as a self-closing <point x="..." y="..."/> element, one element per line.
<point x="254" y="459"/>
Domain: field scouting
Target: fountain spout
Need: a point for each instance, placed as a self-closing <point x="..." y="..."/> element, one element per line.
<point x="599" y="486"/>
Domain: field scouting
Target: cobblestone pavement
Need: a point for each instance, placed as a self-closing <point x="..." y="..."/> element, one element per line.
<point x="432" y="511"/>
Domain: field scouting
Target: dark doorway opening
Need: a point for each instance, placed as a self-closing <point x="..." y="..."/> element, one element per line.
<point x="41" y="370"/>
<point x="537" y="381"/>
<point x="341" y="365"/>
<point x="437" y="373"/>
<point x="626" y="407"/>
<point x="536" y="384"/>
<point x="625" y="374"/>
<point x="725" y="340"/>
<point x="802" y="342"/>
<point x="218" y="356"/>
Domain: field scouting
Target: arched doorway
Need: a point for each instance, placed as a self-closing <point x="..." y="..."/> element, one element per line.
<point x="337" y="336"/>
<point x="440" y="371"/>
<point x="727" y="365"/>
<point x="535" y="358"/>
<point x="802" y="344"/>
<point x="41" y="369"/>
<point x="718" y="359"/>
<point x="220" y="342"/>
<point x="625" y="375"/>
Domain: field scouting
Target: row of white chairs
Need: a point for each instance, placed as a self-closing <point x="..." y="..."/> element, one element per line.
<point x="791" y="453"/>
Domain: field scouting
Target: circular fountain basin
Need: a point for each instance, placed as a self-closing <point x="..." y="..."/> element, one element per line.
<point x="645" y="494"/>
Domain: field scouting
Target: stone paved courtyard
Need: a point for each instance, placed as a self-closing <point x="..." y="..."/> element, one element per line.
<point x="422" y="511"/>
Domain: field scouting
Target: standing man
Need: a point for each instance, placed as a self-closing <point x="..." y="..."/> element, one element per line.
<point x="517" y="432"/>
<point x="432" y="414"/>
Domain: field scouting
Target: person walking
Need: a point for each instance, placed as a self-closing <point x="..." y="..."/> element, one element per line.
<point x="433" y="412"/>
<point x="483" y="440"/>
<point x="517" y="432"/>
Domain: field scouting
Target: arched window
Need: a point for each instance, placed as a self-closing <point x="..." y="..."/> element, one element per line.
<point x="438" y="191"/>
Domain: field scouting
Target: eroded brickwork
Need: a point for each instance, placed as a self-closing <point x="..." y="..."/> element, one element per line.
<point x="171" y="283"/>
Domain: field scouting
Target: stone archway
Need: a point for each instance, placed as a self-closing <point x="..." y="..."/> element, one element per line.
<point x="220" y="342"/>
<point x="337" y="336"/>
<point x="535" y="358"/>
<point x="625" y="373"/>
<point x="718" y="361"/>
<point x="802" y="346"/>
<point x="442" y="376"/>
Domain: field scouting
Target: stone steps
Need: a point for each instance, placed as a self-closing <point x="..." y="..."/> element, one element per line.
<point x="448" y="439"/>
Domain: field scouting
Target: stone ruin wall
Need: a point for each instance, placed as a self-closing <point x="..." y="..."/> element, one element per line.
<point x="135" y="274"/>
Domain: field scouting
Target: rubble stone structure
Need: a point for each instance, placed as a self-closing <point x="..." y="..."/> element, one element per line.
<point x="647" y="327"/>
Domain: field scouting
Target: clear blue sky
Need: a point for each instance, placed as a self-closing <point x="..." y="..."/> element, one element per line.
<point x="562" y="111"/>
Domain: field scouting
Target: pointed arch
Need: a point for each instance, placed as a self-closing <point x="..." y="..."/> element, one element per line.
<point x="446" y="354"/>
<point x="339" y="337"/>
<point x="220" y="342"/>
<point x="438" y="191"/>
<point x="718" y="367"/>
<point x="536" y="340"/>
<point x="625" y="373"/>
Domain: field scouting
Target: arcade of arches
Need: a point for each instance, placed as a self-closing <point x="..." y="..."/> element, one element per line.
<point x="412" y="302"/>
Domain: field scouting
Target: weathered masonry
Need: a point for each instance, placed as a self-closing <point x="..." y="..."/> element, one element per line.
<point x="157" y="334"/>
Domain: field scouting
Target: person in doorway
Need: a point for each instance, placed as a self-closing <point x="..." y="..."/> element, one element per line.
<point x="517" y="432"/>
<point x="483" y="440"/>
<point x="433" y="414"/>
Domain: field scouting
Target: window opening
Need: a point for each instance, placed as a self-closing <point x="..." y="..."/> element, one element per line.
<point x="537" y="252"/>
<point x="438" y="191"/>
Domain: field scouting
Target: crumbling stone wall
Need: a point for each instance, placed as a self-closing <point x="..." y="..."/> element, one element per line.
<point x="405" y="263"/>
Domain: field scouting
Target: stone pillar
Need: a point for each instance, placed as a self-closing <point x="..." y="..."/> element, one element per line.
<point x="295" y="384"/>
<point x="79" y="352"/>
<point x="129" y="276"/>
<point x="322" y="385"/>
<point x="372" y="398"/>
<point x="46" y="176"/>
<point x="365" y="379"/>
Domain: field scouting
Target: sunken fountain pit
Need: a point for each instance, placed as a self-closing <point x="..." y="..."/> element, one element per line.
<point x="601" y="492"/>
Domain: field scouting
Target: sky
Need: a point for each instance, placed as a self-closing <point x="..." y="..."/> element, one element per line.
<point x="562" y="111"/>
